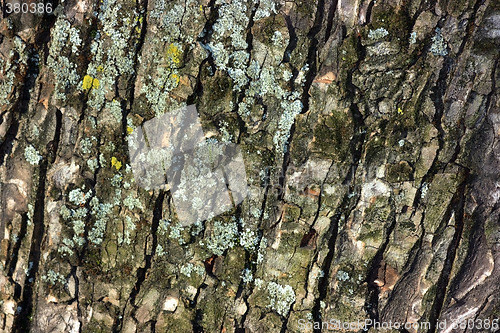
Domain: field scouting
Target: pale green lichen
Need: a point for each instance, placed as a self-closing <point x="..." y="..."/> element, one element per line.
<point x="377" y="33"/>
<point x="92" y="164"/>
<point x="262" y="250"/>
<point x="9" y="68"/>
<point x="247" y="276"/>
<point x="176" y="233"/>
<point x="438" y="46"/>
<point x="112" y="54"/>
<point x="189" y="268"/>
<point x="77" y="197"/>
<point x="31" y="155"/>
<point x="258" y="283"/>
<point x="249" y="239"/>
<point x="160" y="251"/>
<point x="223" y="237"/>
<point x="52" y="277"/>
<point x="342" y="276"/>
<point x="281" y="298"/>
<point x="115" y="109"/>
<point x="413" y="38"/>
<point x="86" y="145"/>
<point x="132" y="202"/>
<point x="64" y="71"/>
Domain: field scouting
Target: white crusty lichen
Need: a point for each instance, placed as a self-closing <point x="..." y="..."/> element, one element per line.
<point x="86" y="145"/>
<point x="92" y="164"/>
<point x="31" y="155"/>
<point x="160" y="252"/>
<point x="281" y="298"/>
<point x="423" y="190"/>
<point x="115" y="109"/>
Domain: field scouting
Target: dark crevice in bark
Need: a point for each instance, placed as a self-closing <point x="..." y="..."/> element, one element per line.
<point x="284" y="165"/>
<point x="356" y="149"/>
<point x="22" y="103"/>
<point x="76" y="298"/>
<point x="312" y="52"/>
<point x="11" y="261"/>
<point x="457" y="205"/>
<point x="196" y="322"/>
<point x="142" y="271"/>
<point x="20" y="106"/>
<point x="142" y="9"/>
<point x="253" y="266"/>
<point x="198" y="87"/>
<point x="10" y="136"/>
<point x="471" y="27"/>
<point x="369" y="11"/>
<point x="284" y="324"/>
<point x="344" y="211"/>
<point x="318" y="209"/>
<point x="311" y="73"/>
<point x="292" y="42"/>
<point x="327" y="263"/>
<point x="205" y="36"/>
<point x="22" y="319"/>
<point x="329" y="21"/>
<point x="372" y="300"/>
<point x="249" y="40"/>
<point x="248" y="262"/>
<point x="437" y="93"/>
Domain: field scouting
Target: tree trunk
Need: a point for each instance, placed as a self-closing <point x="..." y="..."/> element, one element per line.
<point x="368" y="139"/>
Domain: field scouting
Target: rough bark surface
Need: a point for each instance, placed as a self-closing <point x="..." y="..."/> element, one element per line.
<point x="370" y="135"/>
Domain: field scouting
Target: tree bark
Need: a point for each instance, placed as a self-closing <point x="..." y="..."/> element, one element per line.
<point x="369" y="133"/>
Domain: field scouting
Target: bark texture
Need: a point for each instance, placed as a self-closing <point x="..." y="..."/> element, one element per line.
<point x="370" y="136"/>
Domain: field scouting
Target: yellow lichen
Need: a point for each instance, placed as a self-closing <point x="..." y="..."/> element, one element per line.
<point x="129" y="130"/>
<point x="174" y="54"/>
<point x="115" y="163"/>
<point x="400" y="111"/>
<point x="176" y="78"/>
<point x="89" y="82"/>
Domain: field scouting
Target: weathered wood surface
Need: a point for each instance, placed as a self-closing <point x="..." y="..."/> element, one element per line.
<point x="370" y="135"/>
